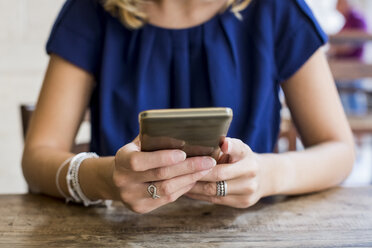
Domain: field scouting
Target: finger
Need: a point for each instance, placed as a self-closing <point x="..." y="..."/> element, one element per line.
<point x="163" y="200"/>
<point x="170" y="186"/>
<point x="190" y="165"/>
<point x="240" y="186"/>
<point x="235" y="148"/>
<point x="137" y="142"/>
<point x="148" y="204"/>
<point x="224" y="172"/>
<point x="223" y="159"/>
<point x="232" y="201"/>
<point x="142" y="161"/>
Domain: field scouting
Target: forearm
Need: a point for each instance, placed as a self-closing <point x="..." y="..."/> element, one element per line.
<point x="40" y="166"/>
<point x="316" y="168"/>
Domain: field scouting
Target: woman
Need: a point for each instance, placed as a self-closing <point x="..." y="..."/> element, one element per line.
<point x="121" y="57"/>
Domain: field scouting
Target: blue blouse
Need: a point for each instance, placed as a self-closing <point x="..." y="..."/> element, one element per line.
<point x="224" y="62"/>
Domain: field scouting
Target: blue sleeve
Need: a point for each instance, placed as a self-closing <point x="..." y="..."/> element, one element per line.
<point x="297" y="36"/>
<point x="77" y="34"/>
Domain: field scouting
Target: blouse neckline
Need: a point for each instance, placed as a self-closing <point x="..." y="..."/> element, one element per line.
<point x="205" y="23"/>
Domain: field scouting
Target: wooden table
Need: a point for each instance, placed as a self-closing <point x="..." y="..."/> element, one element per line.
<point x="340" y="217"/>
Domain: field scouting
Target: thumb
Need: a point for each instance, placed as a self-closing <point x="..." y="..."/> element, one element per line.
<point x="235" y="148"/>
<point x="135" y="145"/>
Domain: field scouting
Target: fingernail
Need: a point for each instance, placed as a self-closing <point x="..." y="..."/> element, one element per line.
<point x="229" y="144"/>
<point x="205" y="172"/>
<point x="209" y="162"/>
<point x="179" y="156"/>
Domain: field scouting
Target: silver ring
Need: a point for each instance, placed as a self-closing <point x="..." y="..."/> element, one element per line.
<point x="225" y="188"/>
<point x="221" y="188"/>
<point x="152" y="191"/>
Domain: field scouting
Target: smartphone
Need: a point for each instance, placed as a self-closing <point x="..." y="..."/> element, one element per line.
<point x="197" y="131"/>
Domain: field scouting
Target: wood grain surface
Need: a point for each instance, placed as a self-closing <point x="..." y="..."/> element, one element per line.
<point x="340" y="217"/>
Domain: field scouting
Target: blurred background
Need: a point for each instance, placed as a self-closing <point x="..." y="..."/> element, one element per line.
<point x="25" y="26"/>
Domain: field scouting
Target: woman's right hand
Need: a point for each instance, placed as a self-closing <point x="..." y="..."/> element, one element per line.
<point x="172" y="174"/>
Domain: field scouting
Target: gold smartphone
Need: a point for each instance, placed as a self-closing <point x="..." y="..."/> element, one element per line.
<point x="197" y="131"/>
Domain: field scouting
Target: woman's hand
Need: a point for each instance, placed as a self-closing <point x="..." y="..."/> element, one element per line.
<point x="239" y="167"/>
<point x="172" y="174"/>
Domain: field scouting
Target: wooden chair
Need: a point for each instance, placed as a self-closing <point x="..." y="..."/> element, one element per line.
<point x="26" y="113"/>
<point x="288" y="132"/>
<point x="351" y="37"/>
<point x="343" y="69"/>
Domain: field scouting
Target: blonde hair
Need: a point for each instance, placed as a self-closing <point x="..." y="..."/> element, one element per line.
<point x="130" y="14"/>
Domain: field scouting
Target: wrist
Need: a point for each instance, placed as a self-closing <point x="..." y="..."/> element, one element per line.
<point x="276" y="173"/>
<point x="95" y="176"/>
<point x="267" y="185"/>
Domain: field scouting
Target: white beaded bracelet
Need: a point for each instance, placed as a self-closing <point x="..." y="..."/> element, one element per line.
<point x="72" y="179"/>
<point x="57" y="179"/>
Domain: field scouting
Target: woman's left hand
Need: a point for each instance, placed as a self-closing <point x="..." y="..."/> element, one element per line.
<point x="239" y="167"/>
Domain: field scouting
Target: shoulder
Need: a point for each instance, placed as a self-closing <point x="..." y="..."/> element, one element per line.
<point x="87" y="5"/>
<point x="278" y="5"/>
<point x="287" y="29"/>
<point x="281" y="11"/>
<point x="81" y="10"/>
<point x="281" y="17"/>
<point x="77" y="34"/>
